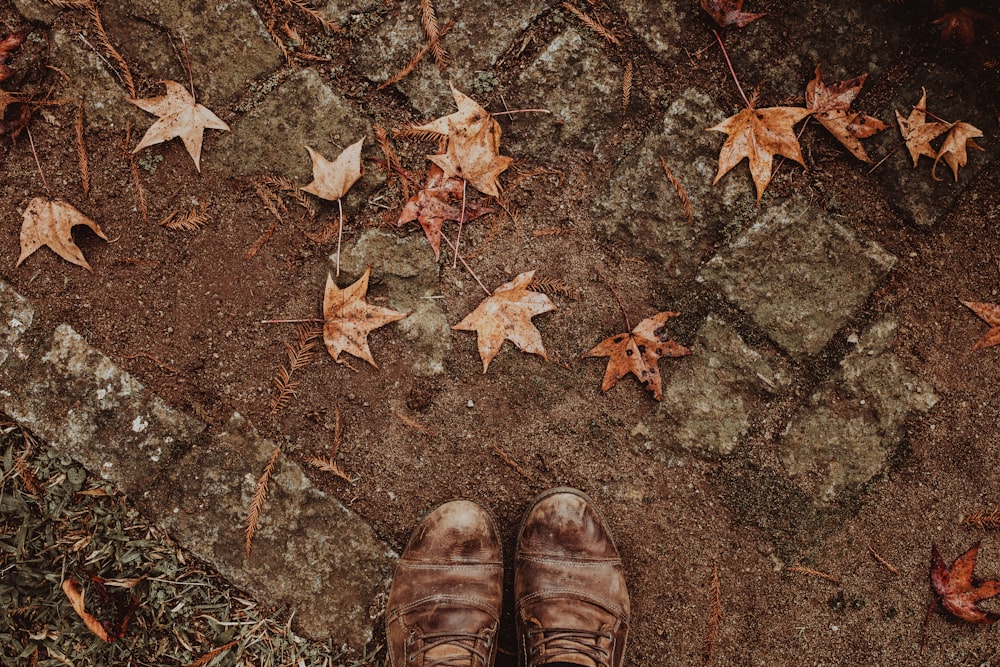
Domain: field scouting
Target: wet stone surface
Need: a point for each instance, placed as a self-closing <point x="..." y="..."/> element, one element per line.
<point x="658" y="24"/>
<point x="709" y="401"/>
<point x="799" y="273"/>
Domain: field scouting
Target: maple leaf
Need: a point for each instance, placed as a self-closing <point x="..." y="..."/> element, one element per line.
<point x="831" y="107"/>
<point x="179" y="116"/>
<point x="349" y="319"/>
<point x="8" y="44"/>
<point x="917" y="132"/>
<point x="759" y="135"/>
<point x="728" y="13"/>
<point x="989" y="313"/>
<point x="473" y="150"/>
<point x="435" y="204"/>
<point x="953" y="150"/>
<point x="638" y="352"/>
<point x="48" y="222"/>
<point x="332" y="180"/>
<point x="961" y="24"/>
<point x="958" y="590"/>
<point x="506" y="315"/>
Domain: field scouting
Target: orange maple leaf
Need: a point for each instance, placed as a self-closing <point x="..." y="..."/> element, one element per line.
<point x="49" y="222"/>
<point x="506" y="315"/>
<point x="989" y="313"/>
<point x="349" y="319"/>
<point x="953" y="150"/>
<point x="758" y="135"/>
<point x="473" y="150"/>
<point x="831" y="107"/>
<point x="435" y="204"/>
<point x="917" y="132"/>
<point x="179" y="116"/>
<point x="638" y="352"/>
<point x="959" y="592"/>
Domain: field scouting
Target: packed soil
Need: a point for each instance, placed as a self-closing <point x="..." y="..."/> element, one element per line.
<point x="183" y="312"/>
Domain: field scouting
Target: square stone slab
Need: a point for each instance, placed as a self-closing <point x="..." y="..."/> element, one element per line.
<point x="799" y="273"/>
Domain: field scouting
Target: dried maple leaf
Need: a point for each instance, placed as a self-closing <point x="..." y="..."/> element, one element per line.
<point x="8" y="44"/>
<point x="728" y="13"/>
<point x="953" y="150"/>
<point x="759" y="135"/>
<point x="831" y="107"/>
<point x="180" y="116"/>
<point x="473" y="150"/>
<point x="989" y="313"/>
<point x="332" y="180"/>
<point x="506" y="315"/>
<point x="917" y="132"/>
<point x="440" y="200"/>
<point x="961" y="24"/>
<point x="638" y="352"/>
<point x="349" y="319"/>
<point x="959" y="591"/>
<point x="71" y="587"/>
<point x="49" y="222"/>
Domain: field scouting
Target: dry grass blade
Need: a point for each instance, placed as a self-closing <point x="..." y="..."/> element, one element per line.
<point x="801" y="569"/>
<point x="259" y="243"/>
<point x="883" y="561"/>
<point x="190" y="221"/>
<point x="414" y="424"/>
<point x="428" y="19"/>
<point x="415" y="60"/>
<point x="714" y="616"/>
<point x="626" y="87"/>
<point x="315" y="15"/>
<point x="681" y="192"/>
<point x="511" y="462"/>
<point x="299" y="355"/>
<point x="211" y="655"/>
<point x="593" y="24"/>
<point x="140" y="193"/>
<point x="553" y="286"/>
<point x="983" y="519"/>
<point x="102" y="37"/>
<point x="81" y="151"/>
<point x="257" y="504"/>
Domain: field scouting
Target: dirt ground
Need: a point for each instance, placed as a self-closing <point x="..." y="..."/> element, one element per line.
<point x="194" y="303"/>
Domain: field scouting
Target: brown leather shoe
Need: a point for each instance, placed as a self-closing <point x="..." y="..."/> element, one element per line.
<point x="570" y="598"/>
<point x="445" y="599"/>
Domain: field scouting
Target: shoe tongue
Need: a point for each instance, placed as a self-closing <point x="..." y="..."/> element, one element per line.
<point x="445" y="618"/>
<point x="557" y="614"/>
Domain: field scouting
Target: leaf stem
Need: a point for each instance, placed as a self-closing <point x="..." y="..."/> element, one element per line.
<point x="932" y="115"/>
<point x="38" y="162"/>
<point x="187" y="64"/>
<point x="466" y="264"/>
<point x="340" y="233"/>
<point x="294" y="321"/>
<point x="514" y="111"/>
<point x="887" y="156"/>
<point x="628" y="325"/>
<point x="461" y="219"/>
<point x="732" y="71"/>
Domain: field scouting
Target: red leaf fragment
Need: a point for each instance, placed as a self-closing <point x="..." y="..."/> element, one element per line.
<point x="8" y="44"/>
<point x="439" y="201"/>
<point x="728" y="13"/>
<point x="959" y="591"/>
<point x="989" y="313"/>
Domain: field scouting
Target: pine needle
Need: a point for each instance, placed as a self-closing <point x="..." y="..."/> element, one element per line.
<point x="102" y="38"/>
<point x="81" y="151"/>
<point x="626" y="87"/>
<point x="191" y="221"/>
<point x="261" y="240"/>
<point x="415" y="60"/>
<point x="391" y="158"/>
<point x="801" y="569"/>
<point x="714" y="616"/>
<point x="983" y="520"/>
<point x="681" y="192"/>
<point x="511" y="462"/>
<point x="593" y="24"/>
<point x="315" y="15"/>
<point x="414" y="424"/>
<point x="428" y="19"/>
<point x="298" y="355"/>
<point x="257" y="504"/>
<point x="883" y="561"/>
<point x="552" y="231"/>
<point x="554" y="286"/>
<point x="140" y="193"/>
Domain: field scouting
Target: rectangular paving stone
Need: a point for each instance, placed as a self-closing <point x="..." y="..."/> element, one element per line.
<point x="709" y="401"/>
<point x="310" y="552"/>
<point x="82" y="403"/>
<point x="849" y="429"/>
<point x="799" y="273"/>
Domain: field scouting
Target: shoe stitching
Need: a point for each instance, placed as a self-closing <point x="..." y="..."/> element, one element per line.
<point x="608" y="605"/>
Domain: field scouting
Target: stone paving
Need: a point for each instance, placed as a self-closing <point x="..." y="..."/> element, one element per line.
<point x="793" y="272"/>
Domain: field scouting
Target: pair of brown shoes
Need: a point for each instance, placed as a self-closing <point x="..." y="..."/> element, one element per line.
<point x="569" y="589"/>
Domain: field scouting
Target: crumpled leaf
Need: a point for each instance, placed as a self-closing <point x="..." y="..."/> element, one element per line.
<point x="473" y="149"/>
<point x="180" y="116"/>
<point x="959" y="591"/>
<point x="438" y="201"/>
<point x="917" y="132"/>
<point x="349" y="319"/>
<point x="8" y="44"/>
<point x="759" y="135"/>
<point x="332" y="180"/>
<point x="506" y="315"/>
<point x="48" y="222"/>
<point x="71" y="587"/>
<point x="831" y="107"/>
<point x="953" y="150"/>
<point x="989" y="313"/>
<point x="638" y="352"/>
<point x="961" y="24"/>
<point x="728" y="13"/>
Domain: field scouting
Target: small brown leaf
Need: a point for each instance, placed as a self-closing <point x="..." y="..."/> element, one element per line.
<point x="917" y="132"/>
<point x="180" y="116"/>
<point x="48" y="222"/>
<point x="831" y="107"/>
<point x="332" y="180"/>
<point x="349" y="319"/>
<point x="728" y="13"/>
<point x="953" y="150"/>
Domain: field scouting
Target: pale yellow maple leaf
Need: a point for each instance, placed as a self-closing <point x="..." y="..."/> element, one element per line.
<point x="179" y="116"/>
